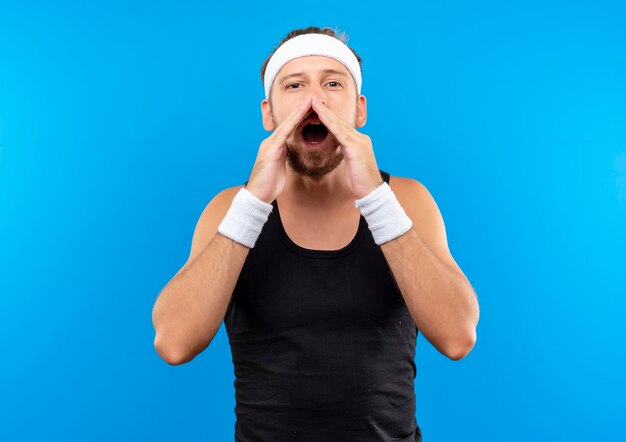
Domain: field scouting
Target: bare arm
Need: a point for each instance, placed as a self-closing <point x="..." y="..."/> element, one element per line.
<point x="191" y="307"/>
<point x="189" y="310"/>
<point x="439" y="297"/>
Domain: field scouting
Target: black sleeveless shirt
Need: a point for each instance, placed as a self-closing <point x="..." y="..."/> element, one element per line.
<point x="322" y="342"/>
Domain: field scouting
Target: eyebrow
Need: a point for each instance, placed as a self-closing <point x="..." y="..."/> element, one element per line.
<point x="325" y="71"/>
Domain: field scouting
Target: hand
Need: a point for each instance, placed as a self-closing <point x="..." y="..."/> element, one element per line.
<point x="267" y="179"/>
<point x="361" y="169"/>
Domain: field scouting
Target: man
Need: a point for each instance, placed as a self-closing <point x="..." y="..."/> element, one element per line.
<point x="322" y="321"/>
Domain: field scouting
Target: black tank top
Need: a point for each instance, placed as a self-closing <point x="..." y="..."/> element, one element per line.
<point x="322" y="342"/>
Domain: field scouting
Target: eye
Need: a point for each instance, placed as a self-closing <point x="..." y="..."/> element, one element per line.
<point x="333" y="84"/>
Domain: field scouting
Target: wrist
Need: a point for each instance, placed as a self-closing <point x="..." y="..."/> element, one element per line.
<point x="371" y="189"/>
<point x="258" y="194"/>
<point x="385" y="216"/>
<point x="245" y="218"/>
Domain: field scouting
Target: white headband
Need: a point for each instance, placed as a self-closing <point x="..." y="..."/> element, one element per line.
<point x="311" y="44"/>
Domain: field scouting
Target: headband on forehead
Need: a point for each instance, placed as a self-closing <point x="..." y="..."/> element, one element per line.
<point x="311" y="44"/>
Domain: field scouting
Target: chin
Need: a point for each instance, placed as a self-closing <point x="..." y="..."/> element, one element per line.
<point x="314" y="163"/>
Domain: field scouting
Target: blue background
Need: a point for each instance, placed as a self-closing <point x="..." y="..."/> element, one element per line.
<point x="119" y="121"/>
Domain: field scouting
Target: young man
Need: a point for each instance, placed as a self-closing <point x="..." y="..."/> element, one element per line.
<point x="322" y="266"/>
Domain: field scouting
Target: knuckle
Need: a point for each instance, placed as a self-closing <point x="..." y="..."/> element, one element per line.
<point x="264" y="144"/>
<point x="279" y="132"/>
<point x="351" y="136"/>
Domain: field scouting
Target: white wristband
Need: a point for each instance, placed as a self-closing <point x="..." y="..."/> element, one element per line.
<point x="384" y="215"/>
<point x="245" y="218"/>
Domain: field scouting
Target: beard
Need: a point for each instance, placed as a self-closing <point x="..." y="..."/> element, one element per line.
<point x="313" y="163"/>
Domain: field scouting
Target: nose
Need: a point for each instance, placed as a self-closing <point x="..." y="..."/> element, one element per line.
<point x="319" y="93"/>
<point x="322" y="99"/>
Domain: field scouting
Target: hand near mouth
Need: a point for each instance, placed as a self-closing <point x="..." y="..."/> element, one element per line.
<point x="361" y="168"/>
<point x="267" y="179"/>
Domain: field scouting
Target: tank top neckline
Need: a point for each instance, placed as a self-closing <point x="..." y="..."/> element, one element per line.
<point x="314" y="253"/>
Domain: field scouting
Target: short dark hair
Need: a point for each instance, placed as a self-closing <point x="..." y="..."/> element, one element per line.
<point x="341" y="36"/>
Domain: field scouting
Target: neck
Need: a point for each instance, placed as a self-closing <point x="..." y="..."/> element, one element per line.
<point x="329" y="190"/>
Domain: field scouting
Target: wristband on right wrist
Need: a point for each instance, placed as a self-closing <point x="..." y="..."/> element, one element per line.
<point x="245" y="218"/>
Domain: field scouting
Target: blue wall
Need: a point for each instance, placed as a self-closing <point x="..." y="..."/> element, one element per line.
<point x="119" y="121"/>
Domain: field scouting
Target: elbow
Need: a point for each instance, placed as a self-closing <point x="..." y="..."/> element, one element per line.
<point x="460" y="350"/>
<point x="168" y="348"/>
<point x="170" y="354"/>
<point x="462" y="346"/>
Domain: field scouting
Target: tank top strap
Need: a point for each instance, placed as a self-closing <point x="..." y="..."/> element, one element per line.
<point x="384" y="175"/>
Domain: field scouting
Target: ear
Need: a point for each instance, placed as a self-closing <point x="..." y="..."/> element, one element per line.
<point x="361" y="111"/>
<point x="266" y="112"/>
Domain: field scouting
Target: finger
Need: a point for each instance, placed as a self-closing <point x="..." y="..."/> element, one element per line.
<point x="284" y="129"/>
<point x="340" y="128"/>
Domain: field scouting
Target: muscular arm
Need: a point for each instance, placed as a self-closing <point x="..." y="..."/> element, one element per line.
<point x="190" y="308"/>
<point x="439" y="297"/>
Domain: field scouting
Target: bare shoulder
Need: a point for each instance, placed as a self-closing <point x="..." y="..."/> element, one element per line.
<point x="421" y="207"/>
<point x="209" y="220"/>
<point x="404" y="187"/>
<point x="216" y="209"/>
<point x="414" y="197"/>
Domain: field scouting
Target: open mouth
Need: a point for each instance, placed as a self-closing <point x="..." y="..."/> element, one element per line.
<point x="313" y="131"/>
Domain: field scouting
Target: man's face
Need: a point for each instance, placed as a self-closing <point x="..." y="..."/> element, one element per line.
<point x="332" y="83"/>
